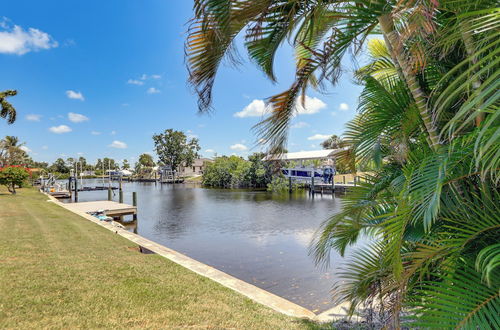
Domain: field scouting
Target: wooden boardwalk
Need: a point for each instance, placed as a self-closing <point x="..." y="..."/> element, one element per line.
<point x="110" y="208"/>
<point x="327" y="188"/>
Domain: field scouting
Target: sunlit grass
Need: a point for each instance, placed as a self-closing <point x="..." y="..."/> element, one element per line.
<point x="58" y="270"/>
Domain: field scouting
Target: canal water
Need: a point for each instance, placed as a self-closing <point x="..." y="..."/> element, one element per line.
<point x="257" y="236"/>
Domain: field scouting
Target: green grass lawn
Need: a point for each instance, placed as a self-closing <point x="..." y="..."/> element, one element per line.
<point x="58" y="270"/>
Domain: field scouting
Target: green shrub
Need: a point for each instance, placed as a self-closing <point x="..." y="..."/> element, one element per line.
<point x="13" y="176"/>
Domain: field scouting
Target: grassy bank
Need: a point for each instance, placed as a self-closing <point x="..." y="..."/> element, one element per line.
<point x="59" y="270"/>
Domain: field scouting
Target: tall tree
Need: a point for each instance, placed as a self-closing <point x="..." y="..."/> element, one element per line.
<point x="125" y="164"/>
<point x="428" y="122"/>
<point x="59" y="166"/>
<point x="175" y="149"/>
<point x="6" y="109"/>
<point x="333" y="142"/>
<point x="110" y="164"/>
<point x="82" y="163"/>
<point x="146" y="160"/>
<point x="11" y="152"/>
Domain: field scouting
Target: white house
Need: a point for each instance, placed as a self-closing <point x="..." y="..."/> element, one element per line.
<point x="196" y="169"/>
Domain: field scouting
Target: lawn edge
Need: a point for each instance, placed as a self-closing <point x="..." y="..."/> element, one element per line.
<point x="246" y="289"/>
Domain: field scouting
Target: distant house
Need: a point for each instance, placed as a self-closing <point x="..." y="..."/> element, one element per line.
<point x="196" y="169"/>
<point x="87" y="173"/>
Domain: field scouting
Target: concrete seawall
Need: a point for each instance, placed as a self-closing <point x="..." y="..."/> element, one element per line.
<point x="259" y="295"/>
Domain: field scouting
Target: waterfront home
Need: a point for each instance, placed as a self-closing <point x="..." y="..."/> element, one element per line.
<point x="196" y="169"/>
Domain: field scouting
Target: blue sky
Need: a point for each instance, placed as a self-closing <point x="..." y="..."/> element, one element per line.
<point x="99" y="78"/>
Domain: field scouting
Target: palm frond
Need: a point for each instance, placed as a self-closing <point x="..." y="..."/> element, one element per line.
<point x="7" y="110"/>
<point x="457" y="299"/>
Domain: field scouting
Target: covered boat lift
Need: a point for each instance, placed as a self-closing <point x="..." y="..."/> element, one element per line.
<point x="311" y="165"/>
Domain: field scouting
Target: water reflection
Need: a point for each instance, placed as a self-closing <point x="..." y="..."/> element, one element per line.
<point x="257" y="236"/>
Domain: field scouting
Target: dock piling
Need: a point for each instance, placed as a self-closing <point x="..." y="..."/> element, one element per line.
<point x="109" y="194"/>
<point x="76" y="189"/>
<point x="120" y="198"/>
<point x="134" y="203"/>
<point x="333" y="185"/>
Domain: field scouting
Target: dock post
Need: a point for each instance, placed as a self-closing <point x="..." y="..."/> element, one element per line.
<point x="69" y="187"/>
<point x="120" y="198"/>
<point x="289" y="184"/>
<point x="343" y="179"/>
<point x="134" y="203"/>
<point x="312" y="185"/>
<point x="333" y="185"/>
<point x="76" y="189"/>
<point x="109" y="194"/>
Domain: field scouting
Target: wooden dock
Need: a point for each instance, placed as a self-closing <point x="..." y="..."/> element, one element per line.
<point x="60" y="194"/>
<point x="110" y="208"/>
<point x="328" y="188"/>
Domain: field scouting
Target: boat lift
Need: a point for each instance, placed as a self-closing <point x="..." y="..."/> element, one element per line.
<point x="314" y="168"/>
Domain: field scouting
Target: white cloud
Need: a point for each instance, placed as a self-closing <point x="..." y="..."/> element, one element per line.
<point x="144" y="76"/>
<point x="343" y="107"/>
<point x="135" y="82"/>
<point x="318" y="137"/>
<point x="152" y="90"/>
<point x="95" y="133"/>
<point x="112" y="133"/>
<point x="239" y="147"/>
<point x="45" y="147"/>
<point x="17" y="41"/>
<point x="74" y="95"/>
<point x="258" y="108"/>
<point x="313" y="105"/>
<point x="300" y="124"/>
<point x="76" y="117"/>
<point x="156" y="76"/>
<point x="60" y="129"/>
<point x="210" y="151"/>
<point x="33" y="117"/>
<point x="25" y="148"/>
<point x="118" y="144"/>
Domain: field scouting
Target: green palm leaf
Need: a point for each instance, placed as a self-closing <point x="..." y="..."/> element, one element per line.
<point x="458" y="299"/>
<point x="7" y="110"/>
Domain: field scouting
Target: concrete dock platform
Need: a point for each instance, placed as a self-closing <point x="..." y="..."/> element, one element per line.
<point x="110" y="208"/>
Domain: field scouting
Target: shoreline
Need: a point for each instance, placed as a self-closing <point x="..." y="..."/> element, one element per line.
<point x="256" y="294"/>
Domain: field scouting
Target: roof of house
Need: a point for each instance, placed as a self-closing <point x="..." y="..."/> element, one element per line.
<point x="200" y="161"/>
<point x="305" y="155"/>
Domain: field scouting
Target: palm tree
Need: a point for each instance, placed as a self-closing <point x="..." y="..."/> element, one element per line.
<point x="333" y="142"/>
<point x="11" y="152"/>
<point x="7" y="110"/>
<point x="322" y="32"/>
<point x="428" y="125"/>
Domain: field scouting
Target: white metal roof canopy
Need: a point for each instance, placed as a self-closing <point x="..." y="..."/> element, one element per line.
<point x="305" y="155"/>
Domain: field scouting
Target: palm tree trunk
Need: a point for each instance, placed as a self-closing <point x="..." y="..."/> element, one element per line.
<point x="395" y="47"/>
